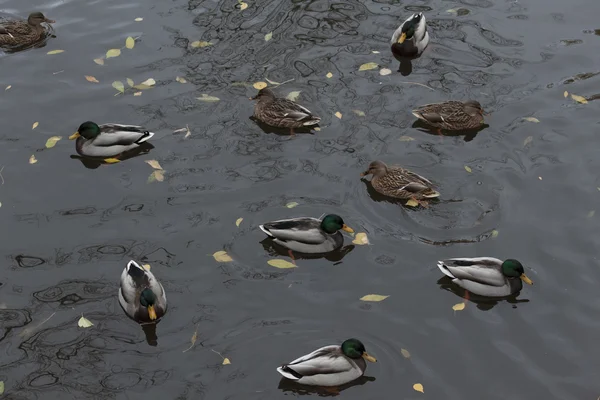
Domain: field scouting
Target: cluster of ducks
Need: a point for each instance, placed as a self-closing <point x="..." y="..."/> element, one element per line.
<point x="143" y="297"/>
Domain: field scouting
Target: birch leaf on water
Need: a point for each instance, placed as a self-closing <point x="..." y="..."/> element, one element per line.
<point x="84" y="322"/>
<point x="200" y="44"/>
<point x="137" y="93"/>
<point x="374" y="297"/>
<point x="55" y="52"/>
<point x="207" y="98"/>
<point x="368" y="66"/>
<point x="338" y="114"/>
<point x="222" y="256"/>
<point x="138" y="19"/>
<point x="268" y="36"/>
<point x="405" y="353"/>
<point x="566" y="94"/>
<point x="412" y="203"/>
<point x="527" y="140"/>
<point x="293" y="96"/>
<point x="193" y="339"/>
<point x="113" y="53"/>
<point x="157" y="175"/>
<point x="149" y="82"/>
<point x="154" y="164"/>
<point x="458" y="306"/>
<point x="260" y="85"/>
<point x="361" y="239"/>
<point x="180" y="80"/>
<point x="238" y="222"/>
<point x="243" y="5"/>
<point x="531" y="119"/>
<point x="1" y="387"/>
<point x="226" y="361"/>
<point x="32" y="159"/>
<point x="99" y="61"/>
<point x="329" y="75"/>
<point x="406" y="138"/>
<point x="35" y="125"/>
<point x="147" y="267"/>
<point x="119" y="86"/>
<point x="92" y="79"/>
<point x="291" y="204"/>
<point x="51" y="142"/>
<point x="579" y="99"/>
<point x="385" y="71"/>
<point x="418" y="387"/>
<point x="8" y="87"/>
<point x="130" y="82"/>
<point x="130" y="42"/>
<point x="468" y="169"/>
<point x="359" y="113"/>
<point x="282" y="264"/>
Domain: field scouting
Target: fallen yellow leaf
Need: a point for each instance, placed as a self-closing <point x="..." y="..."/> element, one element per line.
<point x="329" y="75"/>
<point x="51" y="142"/>
<point x="8" y="87"/>
<point x="243" y="5"/>
<point x="222" y="256"/>
<point x="278" y="263"/>
<point x="55" y="52"/>
<point x="111" y="160"/>
<point x="405" y="353"/>
<point x="468" y="169"/>
<point x="338" y="114"/>
<point x="260" y="85"/>
<point x="293" y="96"/>
<point x="368" y="66"/>
<point x="99" y="61"/>
<point x="119" y="86"/>
<point x="238" y="221"/>
<point x="1" y="387"/>
<point x="579" y="99"/>
<point x="316" y="128"/>
<point x="373" y="297"/>
<point x="90" y="78"/>
<point x="531" y="119"/>
<point x="84" y="322"/>
<point x="418" y="387"/>
<point x="405" y="138"/>
<point x="412" y="203"/>
<point x="146" y="267"/>
<point x="32" y="159"/>
<point x="226" y="361"/>
<point x="200" y="44"/>
<point x="385" y="71"/>
<point x="130" y="82"/>
<point x="375" y="52"/>
<point x="35" y="125"/>
<point x="149" y="82"/>
<point x="361" y="238"/>
<point x="154" y="164"/>
<point x="137" y="93"/>
<point x="157" y="175"/>
<point x="113" y="53"/>
<point x="458" y="306"/>
<point x="495" y="233"/>
<point x="291" y="204"/>
<point x="268" y="36"/>
<point x="180" y="80"/>
<point x="207" y="98"/>
<point x="527" y="140"/>
<point x="138" y="19"/>
<point x="129" y="42"/>
<point x="359" y="113"/>
<point x="566" y="94"/>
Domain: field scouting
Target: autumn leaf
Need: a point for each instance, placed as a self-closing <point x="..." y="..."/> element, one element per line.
<point x="200" y="44"/>
<point x="154" y="164"/>
<point x="278" y="263"/>
<point x="374" y="52"/>
<point x="412" y="203"/>
<point x="35" y="125"/>
<point x="405" y="353"/>
<point x="458" y="306"/>
<point x="238" y="221"/>
<point x="51" y="142"/>
<point x="243" y="5"/>
<point x="1" y="387"/>
<point x="113" y="53"/>
<point x="361" y="238"/>
<point x="90" y="78"/>
<point x="129" y="42"/>
<point x="291" y="204"/>
<point x="222" y="256"/>
<point x="146" y="267"/>
<point x="55" y="52"/>
<point x="99" y="61"/>
<point x="207" y="98"/>
<point x="32" y="159"/>
<point x="329" y="75"/>
<point x="84" y="322"/>
<point x="141" y="86"/>
<point x="468" y="169"/>
<point x="368" y="66"/>
<point x="193" y="339"/>
<point x="566" y="94"/>
<point x="527" y="140"/>
<point x="119" y="86"/>
<point x="579" y="99"/>
<point x="338" y="114"/>
<point x="531" y="119"/>
<point x="293" y="96"/>
<point x="260" y="85"/>
<point x="494" y="234"/>
<point x="8" y="87"/>
<point x="138" y="19"/>
<point x="180" y="80"/>
<point x="137" y="93"/>
<point x="359" y="113"/>
<point x="385" y="71"/>
<point x="373" y="297"/>
<point x="157" y="175"/>
<point x="268" y="36"/>
<point x="149" y="82"/>
<point x="405" y="138"/>
<point x="418" y="387"/>
<point x="226" y="361"/>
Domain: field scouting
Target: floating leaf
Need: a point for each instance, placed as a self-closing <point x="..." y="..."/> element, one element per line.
<point x="84" y="322"/>
<point x="137" y="93"/>
<point x="99" y="61"/>
<point x="222" y="256"/>
<point x="375" y="52"/>
<point x="141" y="86"/>
<point x="35" y="125"/>
<point x="55" y="52"/>
<point x="374" y="297"/>
<point x="368" y="66"/>
<point x="149" y="82"/>
<point x="405" y="353"/>
<point x="329" y="75"/>
<point x="187" y="133"/>
<point x="260" y="85"/>
<point x="579" y="99"/>
<point x="129" y="42"/>
<point x="458" y="306"/>
<point x="180" y="80"/>
<point x="111" y="160"/>
<point x="113" y="53"/>
<point x="157" y="175"/>
<point x="412" y="203"/>
<point x="468" y="169"/>
<point x="193" y="339"/>
<point x="527" y="140"/>
<point x="130" y="82"/>
<point x="154" y="164"/>
<point x="531" y="119"/>
<point x="291" y="204"/>
<point x="1" y="387"/>
<point x="208" y="98"/>
<point x="8" y="87"/>
<point x="90" y="78"/>
<point x="566" y="94"/>
<point x="268" y="36"/>
<point x="494" y="234"/>
<point x="293" y="96"/>
<point x="119" y="86"/>
<point x="418" y="387"/>
<point x="359" y="113"/>
<point x="138" y="19"/>
<point x="406" y="138"/>
<point x="243" y="5"/>
<point x="452" y="11"/>
<point x="238" y="221"/>
<point x="316" y="128"/>
<point x="200" y="44"/>
<point x="361" y="238"/>
<point x="591" y="214"/>
<point x="51" y="142"/>
<point x="226" y="361"/>
<point x="146" y="267"/>
<point x="385" y="71"/>
<point x="278" y="263"/>
<point x="338" y="114"/>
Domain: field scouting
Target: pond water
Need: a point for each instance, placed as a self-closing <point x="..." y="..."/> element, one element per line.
<point x="531" y="194"/>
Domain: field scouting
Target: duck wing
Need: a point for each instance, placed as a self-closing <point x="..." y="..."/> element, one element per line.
<point x="326" y="360"/>
<point x="284" y="109"/>
<point x="305" y="230"/>
<point x="483" y="270"/>
<point x="124" y="135"/>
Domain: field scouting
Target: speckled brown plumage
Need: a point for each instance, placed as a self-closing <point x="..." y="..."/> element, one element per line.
<point x="399" y="183"/>
<point x="17" y="33"/>
<point x="452" y="115"/>
<point x="282" y="113"/>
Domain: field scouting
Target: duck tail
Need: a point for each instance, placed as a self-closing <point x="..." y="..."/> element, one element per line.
<point x="265" y="230"/>
<point x="445" y="270"/>
<point x="288" y="373"/>
<point x="417" y="114"/>
<point x="312" y="121"/>
<point x="146" y="135"/>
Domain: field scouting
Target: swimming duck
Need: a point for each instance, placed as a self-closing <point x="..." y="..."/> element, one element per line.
<point x="109" y="140"/>
<point x="330" y="365"/>
<point x="411" y="38"/>
<point x="23" y="33"/>
<point x="142" y="297"/>
<point x="400" y="183"/>
<point x="308" y="235"/>
<point x="486" y="276"/>
<point x="281" y="112"/>
<point x="452" y="115"/>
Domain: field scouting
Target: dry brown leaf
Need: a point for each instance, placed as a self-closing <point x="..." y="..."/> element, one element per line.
<point x="222" y="256"/>
<point x="90" y="78"/>
<point x="361" y="238"/>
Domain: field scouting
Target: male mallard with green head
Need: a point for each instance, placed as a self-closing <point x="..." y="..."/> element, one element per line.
<point x="452" y="115"/>
<point x="411" y="38"/>
<point x="330" y="365"/>
<point x="15" y="33"/>
<point x="109" y="140"/>
<point x="141" y="295"/>
<point x="282" y="113"/>
<point x="486" y="276"/>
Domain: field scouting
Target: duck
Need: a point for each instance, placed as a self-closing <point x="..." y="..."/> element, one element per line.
<point x="452" y="115"/>
<point x="282" y="113"/>
<point x="400" y="183"/>
<point x="17" y="33"/>
<point x="486" y="276"/>
<point x="411" y="38"/>
<point x="108" y="141"/>
<point x="329" y="366"/>
<point x="308" y="235"/>
<point x="141" y="295"/>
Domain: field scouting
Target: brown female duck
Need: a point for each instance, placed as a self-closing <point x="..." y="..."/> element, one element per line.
<point x="15" y="33"/>
<point x="282" y="113"/>
<point x="452" y="115"/>
<point x="400" y="183"/>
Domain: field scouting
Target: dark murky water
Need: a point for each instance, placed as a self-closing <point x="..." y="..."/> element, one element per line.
<point x="69" y="230"/>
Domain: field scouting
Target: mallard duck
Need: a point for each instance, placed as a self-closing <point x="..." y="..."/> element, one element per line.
<point x="282" y="113"/>
<point x="308" y="235"/>
<point x="108" y="140"/>
<point x="330" y="365"/>
<point x="400" y="183"/>
<point x="452" y="115"/>
<point x="142" y="297"/>
<point x="23" y="33"/>
<point x="411" y="38"/>
<point x="486" y="276"/>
